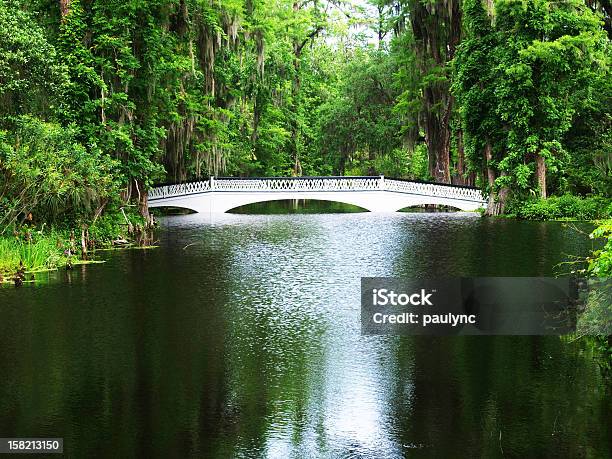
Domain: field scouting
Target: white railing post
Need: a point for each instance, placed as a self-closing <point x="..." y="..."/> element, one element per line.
<point x="212" y="183"/>
<point x="381" y="182"/>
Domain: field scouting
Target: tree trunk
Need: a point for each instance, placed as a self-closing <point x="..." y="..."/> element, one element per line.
<point x="64" y="6"/>
<point x="463" y="177"/>
<point x="143" y="203"/>
<point x="295" y="90"/>
<point x="295" y="148"/>
<point x="437" y="136"/>
<point x="436" y="28"/>
<point x="497" y="200"/>
<point x="459" y="179"/>
<point x="541" y="173"/>
<point x="371" y="159"/>
<point x="470" y="179"/>
<point x="443" y="154"/>
<point x="84" y="238"/>
<point x="381" y="22"/>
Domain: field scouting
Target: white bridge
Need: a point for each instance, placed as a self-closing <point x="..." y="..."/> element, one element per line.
<point x="375" y="194"/>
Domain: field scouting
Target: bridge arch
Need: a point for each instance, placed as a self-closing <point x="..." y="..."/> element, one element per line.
<point x="174" y="209"/>
<point x="343" y="198"/>
<point x="355" y="207"/>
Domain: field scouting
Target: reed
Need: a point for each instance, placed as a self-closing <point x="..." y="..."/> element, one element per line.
<point x="37" y="253"/>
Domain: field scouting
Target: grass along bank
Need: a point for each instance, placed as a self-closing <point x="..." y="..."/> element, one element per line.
<point x="29" y="250"/>
<point x="20" y="256"/>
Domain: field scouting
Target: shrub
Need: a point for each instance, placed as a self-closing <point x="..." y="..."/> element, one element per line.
<point x="600" y="263"/>
<point x="47" y="174"/>
<point x="564" y="207"/>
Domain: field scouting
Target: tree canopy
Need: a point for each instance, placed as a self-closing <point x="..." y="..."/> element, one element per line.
<point x="109" y="97"/>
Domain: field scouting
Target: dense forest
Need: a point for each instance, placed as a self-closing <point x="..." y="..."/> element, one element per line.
<point x="101" y="99"/>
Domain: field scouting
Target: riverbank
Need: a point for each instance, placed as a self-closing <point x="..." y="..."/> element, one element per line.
<point x="29" y="250"/>
<point x="24" y="255"/>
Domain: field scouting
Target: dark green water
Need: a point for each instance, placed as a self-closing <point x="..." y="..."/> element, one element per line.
<point x="241" y="338"/>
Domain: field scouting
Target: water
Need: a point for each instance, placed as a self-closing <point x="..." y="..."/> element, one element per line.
<point x="241" y="338"/>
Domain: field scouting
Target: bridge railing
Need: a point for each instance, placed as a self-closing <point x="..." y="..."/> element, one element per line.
<point x="317" y="184"/>
<point x="299" y="184"/>
<point x="433" y="189"/>
<point x="180" y="189"/>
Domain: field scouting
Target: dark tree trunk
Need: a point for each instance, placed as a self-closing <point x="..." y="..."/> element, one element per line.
<point x="295" y="150"/>
<point x="371" y="159"/>
<point x="443" y="153"/>
<point x="436" y="28"/>
<point x="437" y="138"/>
<point x="256" y="119"/>
<point x="381" y="21"/>
<point x="143" y="203"/>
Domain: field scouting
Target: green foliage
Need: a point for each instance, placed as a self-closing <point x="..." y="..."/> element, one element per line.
<point x="595" y="322"/>
<point x="31" y="77"/>
<point x="589" y="141"/>
<point x="34" y="250"/>
<point x="48" y="175"/>
<point x="566" y="207"/>
<point x="600" y="263"/>
<point x="522" y="82"/>
<point x="360" y="132"/>
<point x="102" y="100"/>
<point x="113" y="226"/>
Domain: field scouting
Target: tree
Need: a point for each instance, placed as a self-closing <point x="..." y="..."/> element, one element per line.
<point x="520" y="81"/>
<point x="360" y="123"/>
<point x="32" y="78"/>
<point x="435" y="32"/>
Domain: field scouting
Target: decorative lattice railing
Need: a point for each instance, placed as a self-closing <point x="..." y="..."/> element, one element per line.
<point x="317" y="184"/>
<point x="299" y="184"/>
<point x="181" y="189"/>
<point x="433" y="189"/>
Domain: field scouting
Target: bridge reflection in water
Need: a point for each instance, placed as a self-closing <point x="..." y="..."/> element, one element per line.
<point x="375" y="194"/>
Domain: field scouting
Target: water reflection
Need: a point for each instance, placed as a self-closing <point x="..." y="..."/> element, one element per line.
<point x="240" y="337"/>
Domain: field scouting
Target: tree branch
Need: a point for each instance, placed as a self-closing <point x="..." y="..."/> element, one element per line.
<point x="309" y="37"/>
